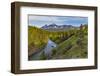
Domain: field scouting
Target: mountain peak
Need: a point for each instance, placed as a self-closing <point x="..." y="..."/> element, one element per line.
<point x="53" y="25"/>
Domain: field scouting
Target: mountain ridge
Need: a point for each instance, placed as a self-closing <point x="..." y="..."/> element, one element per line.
<point x="53" y="25"/>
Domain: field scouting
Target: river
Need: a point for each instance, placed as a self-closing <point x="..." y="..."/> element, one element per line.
<point x="47" y="51"/>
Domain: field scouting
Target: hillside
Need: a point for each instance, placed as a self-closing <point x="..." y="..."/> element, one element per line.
<point x="74" y="47"/>
<point x="37" y="39"/>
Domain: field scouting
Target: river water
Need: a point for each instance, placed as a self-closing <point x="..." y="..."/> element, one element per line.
<point x="47" y="51"/>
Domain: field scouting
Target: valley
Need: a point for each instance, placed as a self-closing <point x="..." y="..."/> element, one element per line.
<point x="66" y="42"/>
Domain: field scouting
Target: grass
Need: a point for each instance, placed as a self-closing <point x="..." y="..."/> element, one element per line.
<point x="71" y="49"/>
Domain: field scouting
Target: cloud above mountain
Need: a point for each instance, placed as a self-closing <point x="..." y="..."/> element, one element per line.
<point x="41" y="20"/>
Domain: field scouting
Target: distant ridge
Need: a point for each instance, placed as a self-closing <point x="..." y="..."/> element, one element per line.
<point x="53" y="25"/>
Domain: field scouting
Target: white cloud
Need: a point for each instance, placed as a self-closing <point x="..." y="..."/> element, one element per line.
<point x="44" y="18"/>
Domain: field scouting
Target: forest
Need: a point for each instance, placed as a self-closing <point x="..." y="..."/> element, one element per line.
<point x="70" y="43"/>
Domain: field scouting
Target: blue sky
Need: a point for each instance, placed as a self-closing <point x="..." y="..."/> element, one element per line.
<point x="40" y="20"/>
